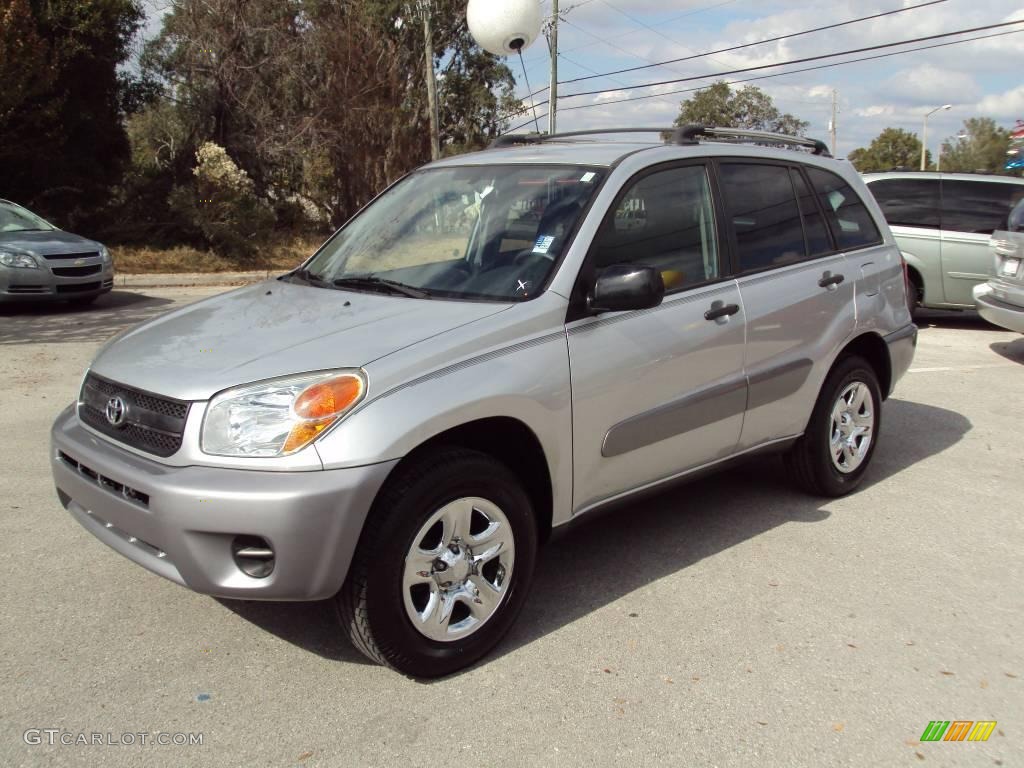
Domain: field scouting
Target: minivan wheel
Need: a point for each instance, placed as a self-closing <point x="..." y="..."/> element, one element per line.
<point x="443" y="565"/>
<point x="835" y="451"/>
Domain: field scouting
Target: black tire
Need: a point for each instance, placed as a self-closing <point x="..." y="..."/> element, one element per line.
<point x="916" y="297"/>
<point x="370" y="604"/>
<point x="809" y="462"/>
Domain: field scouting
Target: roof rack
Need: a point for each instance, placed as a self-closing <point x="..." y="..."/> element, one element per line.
<point x="687" y="134"/>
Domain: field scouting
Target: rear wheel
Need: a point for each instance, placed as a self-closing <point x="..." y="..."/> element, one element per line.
<point x="916" y="297"/>
<point x="835" y="451"/>
<point x="443" y="566"/>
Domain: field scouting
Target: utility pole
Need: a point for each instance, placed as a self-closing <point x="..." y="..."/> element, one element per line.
<point x="832" y="123"/>
<point x="553" y="47"/>
<point x="428" y="39"/>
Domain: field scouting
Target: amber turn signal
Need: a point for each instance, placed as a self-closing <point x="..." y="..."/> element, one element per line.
<point x="321" y="405"/>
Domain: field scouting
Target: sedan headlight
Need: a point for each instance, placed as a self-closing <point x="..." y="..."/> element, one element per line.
<point x="18" y="260"/>
<point x="105" y="254"/>
<point x="281" y="416"/>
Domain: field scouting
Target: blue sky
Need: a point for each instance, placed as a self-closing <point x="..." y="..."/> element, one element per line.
<point x="983" y="78"/>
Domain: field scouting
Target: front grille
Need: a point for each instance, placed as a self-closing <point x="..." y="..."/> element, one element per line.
<point x="80" y="288"/>
<point x="151" y="423"/>
<point x="90" y="255"/>
<point x="91" y="269"/>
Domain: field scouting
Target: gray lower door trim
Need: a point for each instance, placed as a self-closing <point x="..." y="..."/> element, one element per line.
<point x="679" y="475"/>
<point x="707" y="406"/>
<point x="778" y="382"/>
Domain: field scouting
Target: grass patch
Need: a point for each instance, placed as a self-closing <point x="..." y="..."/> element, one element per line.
<point x="133" y="260"/>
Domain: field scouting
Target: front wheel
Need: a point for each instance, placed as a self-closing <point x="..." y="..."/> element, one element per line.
<point x="443" y="566"/>
<point x="835" y="451"/>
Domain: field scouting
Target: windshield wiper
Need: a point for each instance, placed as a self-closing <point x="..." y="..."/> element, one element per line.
<point x="371" y="282"/>
<point x="308" y="277"/>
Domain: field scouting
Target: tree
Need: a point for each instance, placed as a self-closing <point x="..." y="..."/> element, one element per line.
<point x="62" y="141"/>
<point x="982" y="150"/>
<point x="320" y="101"/>
<point x="892" y="148"/>
<point x="749" y="108"/>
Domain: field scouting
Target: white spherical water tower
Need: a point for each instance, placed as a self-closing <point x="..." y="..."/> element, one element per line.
<point x="504" y="27"/>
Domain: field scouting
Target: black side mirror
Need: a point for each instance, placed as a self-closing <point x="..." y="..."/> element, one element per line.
<point x="625" y="287"/>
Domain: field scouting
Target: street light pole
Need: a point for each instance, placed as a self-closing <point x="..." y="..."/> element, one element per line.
<point x="924" y="135"/>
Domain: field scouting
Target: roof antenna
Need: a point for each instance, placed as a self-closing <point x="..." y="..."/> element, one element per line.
<point x="517" y="46"/>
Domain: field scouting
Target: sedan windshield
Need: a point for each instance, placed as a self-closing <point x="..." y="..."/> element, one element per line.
<point x="491" y="233"/>
<point x="14" y="218"/>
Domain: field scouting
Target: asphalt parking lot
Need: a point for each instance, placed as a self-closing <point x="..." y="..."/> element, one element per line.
<point x="730" y="622"/>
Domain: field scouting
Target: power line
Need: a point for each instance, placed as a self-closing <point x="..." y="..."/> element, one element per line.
<point x="791" y="72"/>
<point x="806" y="59"/>
<point x="767" y="77"/>
<point x="760" y="42"/>
<point x="647" y="26"/>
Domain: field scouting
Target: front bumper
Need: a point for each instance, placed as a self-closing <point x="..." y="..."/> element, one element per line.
<point x="998" y="312"/>
<point x="18" y="285"/>
<point x="902" y="345"/>
<point x="181" y="522"/>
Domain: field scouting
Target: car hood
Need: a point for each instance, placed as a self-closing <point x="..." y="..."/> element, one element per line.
<point x="47" y="243"/>
<point x="273" y="329"/>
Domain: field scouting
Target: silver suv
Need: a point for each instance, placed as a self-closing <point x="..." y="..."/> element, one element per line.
<point x="499" y="345"/>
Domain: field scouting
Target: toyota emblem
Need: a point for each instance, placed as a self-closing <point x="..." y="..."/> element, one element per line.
<point x="116" y="411"/>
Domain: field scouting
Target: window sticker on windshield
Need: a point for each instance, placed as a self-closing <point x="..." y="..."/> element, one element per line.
<point x="543" y="244"/>
<point x="588" y="177"/>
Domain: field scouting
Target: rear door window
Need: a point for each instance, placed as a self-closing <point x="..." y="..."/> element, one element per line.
<point x="908" y="202"/>
<point x="818" y="242"/>
<point x="762" y="207"/>
<point x="848" y="217"/>
<point x="977" y="206"/>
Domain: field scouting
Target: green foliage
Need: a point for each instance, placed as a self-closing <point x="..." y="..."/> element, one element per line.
<point x="749" y="108"/>
<point x="982" y="150"/>
<point x="62" y="141"/>
<point x="892" y="148"/>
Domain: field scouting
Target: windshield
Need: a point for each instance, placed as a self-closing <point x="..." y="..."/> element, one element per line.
<point x="14" y="218"/>
<point x="492" y="233"/>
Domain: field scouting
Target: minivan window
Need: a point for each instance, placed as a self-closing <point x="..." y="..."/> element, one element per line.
<point x="848" y="217"/>
<point x="765" y="218"/>
<point x="908" y="202"/>
<point x="473" y="232"/>
<point x="818" y="243"/>
<point x="978" y="206"/>
<point x="665" y="220"/>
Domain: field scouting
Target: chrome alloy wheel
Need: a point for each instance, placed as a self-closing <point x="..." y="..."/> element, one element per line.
<point x="853" y="427"/>
<point x="458" y="570"/>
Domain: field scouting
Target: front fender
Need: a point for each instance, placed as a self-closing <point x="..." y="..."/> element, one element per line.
<point x="528" y="382"/>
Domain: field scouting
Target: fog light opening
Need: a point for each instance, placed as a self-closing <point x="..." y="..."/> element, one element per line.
<point x="253" y="556"/>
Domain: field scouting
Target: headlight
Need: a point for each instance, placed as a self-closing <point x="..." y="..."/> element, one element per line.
<point x="22" y="260"/>
<point x="105" y="254"/>
<point x="279" y="417"/>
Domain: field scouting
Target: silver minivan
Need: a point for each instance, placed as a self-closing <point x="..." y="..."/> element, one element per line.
<point x="499" y="345"/>
<point x="943" y="223"/>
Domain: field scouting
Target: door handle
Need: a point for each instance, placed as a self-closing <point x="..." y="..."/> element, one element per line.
<point x="830" y="281"/>
<point x="720" y="309"/>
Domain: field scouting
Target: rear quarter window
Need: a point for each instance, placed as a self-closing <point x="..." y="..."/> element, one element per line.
<point x="847" y="216"/>
<point x="978" y="207"/>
